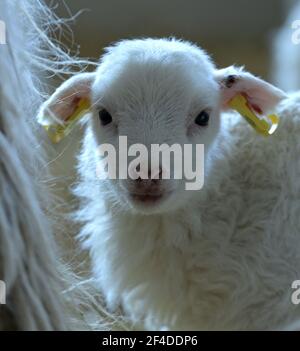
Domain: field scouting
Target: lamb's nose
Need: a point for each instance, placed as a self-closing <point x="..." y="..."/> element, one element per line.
<point x="156" y="173"/>
<point x="153" y="176"/>
<point x="152" y="183"/>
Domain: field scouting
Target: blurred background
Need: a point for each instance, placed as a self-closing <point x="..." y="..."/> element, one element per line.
<point x="233" y="31"/>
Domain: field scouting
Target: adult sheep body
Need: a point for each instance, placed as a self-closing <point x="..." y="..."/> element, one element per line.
<point x="38" y="288"/>
<point x="223" y="257"/>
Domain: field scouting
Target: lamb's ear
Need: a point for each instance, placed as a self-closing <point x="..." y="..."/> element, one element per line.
<point x="261" y="95"/>
<point x="63" y="103"/>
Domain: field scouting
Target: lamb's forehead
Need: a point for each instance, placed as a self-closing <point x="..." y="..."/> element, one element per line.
<point x="147" y="64"/>
<point x="155" y="51"/>
<point x="158" y="48"/>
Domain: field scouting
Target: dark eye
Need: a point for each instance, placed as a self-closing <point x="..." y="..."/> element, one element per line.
<point x="202" y="119"/>
<point x="105" y="117"/>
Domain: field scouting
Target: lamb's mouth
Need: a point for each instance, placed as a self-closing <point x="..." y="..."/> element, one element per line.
<point x="149" y="198"/>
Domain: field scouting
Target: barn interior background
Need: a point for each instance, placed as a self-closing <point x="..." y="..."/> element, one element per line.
<point x="232" y="31"/>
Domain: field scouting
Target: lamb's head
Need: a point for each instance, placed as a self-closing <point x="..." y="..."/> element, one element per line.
<point x="156" y="91"/>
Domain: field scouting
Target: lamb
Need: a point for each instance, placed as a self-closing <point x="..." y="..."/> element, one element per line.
<point x="224" y="257"/>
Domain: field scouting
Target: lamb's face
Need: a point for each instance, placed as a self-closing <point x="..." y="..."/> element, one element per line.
<point x="156" y="91"/>
<point x="151" y="99"/>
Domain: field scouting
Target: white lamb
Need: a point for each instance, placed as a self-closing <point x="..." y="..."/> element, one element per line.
<point x="224" y="257"/>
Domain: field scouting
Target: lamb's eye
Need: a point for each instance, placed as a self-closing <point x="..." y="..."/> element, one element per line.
<point x="105" y="117"/>
<point x="202" y="119"/>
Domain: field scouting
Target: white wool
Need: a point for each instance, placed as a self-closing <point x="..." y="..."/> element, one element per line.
<point x="220" y="258"/>
<point x="225" y="260"/>
<point x="42" y="293"/>
<point x="28" y="257"/>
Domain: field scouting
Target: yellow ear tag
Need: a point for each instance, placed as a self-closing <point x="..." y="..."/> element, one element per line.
<point x="263" y="125"/>
<point x="57" y="132"/>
